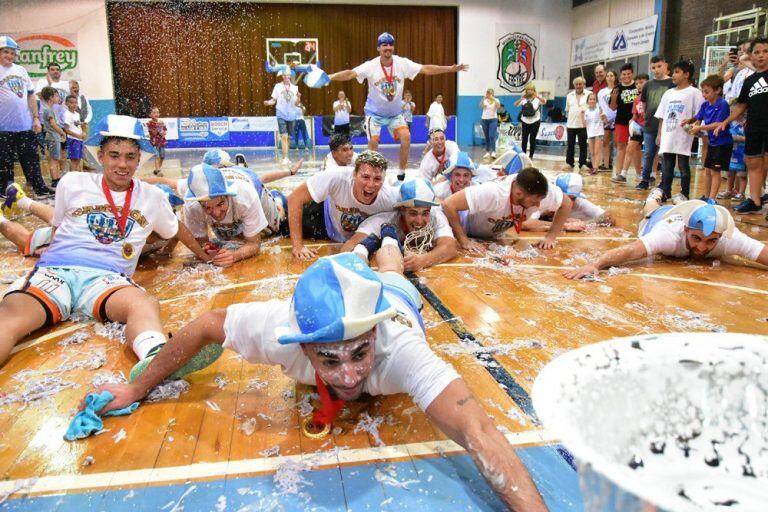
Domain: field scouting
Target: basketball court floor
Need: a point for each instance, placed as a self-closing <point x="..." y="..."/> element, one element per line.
<point x="231" y="440"/>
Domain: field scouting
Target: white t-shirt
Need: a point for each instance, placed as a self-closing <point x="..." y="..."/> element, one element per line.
<point x="245" y="216"/>
<point x="738" y="82"/>
<point x="61" y="87"/>
<point x="87" y="233"/>
<point x="344" y="213"/>
<point x="329" y="163"/>
<point x="408" y="108"/>
<point x="443" y="190"/>
<point x="436" y="218"/>
<point x="286" y="101"/>
<point x="584" y="209"/>
<point x="490" y="108"/>
<point x="491" y="212"/>
<point x="385" y="99"/>
<point x="668" y="238"/>
<point x="341" y="116"/>
<point x="404" y="363"/>
<point x="536" y="106"/>
<point x="15" y="86"/>
<point x="432" y="165"/>
<point x="676" y="106"/>
<point x="436" y="115"/>
<point x="72" y="121"/>
<point x="594" y="122"/>
<point x="604" y="100"/>
<point x="573" y="106"/>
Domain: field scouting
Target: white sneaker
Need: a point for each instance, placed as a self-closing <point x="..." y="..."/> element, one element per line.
<point x="286" y="161"/>
<point x="486" y="155"/>
<point x="493" y="154"/>
<point x="653" y="201"/>
<point x="678" y="198"/>
<point x="584" y="168"/>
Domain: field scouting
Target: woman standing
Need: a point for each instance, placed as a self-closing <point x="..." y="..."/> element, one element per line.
<point x="490" y="106"/>
<point x="530" y="116"/>
<point x="604" y="100"/>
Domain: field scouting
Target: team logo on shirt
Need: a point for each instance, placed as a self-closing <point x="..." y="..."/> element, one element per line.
<point x="517" y="52"/>
<point x="388" y="89"/>
<point x="105" y="229"/>
<point x="351" y="218"/>
<point x="759" y="87"/>
<point x="15" y="84"/>
<point x="674" y="112"/>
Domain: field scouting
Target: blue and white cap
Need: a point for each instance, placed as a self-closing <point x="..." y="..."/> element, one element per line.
<point x="337" y="298"/>
<point x="571" y="184"/>
<point x="170" y="195"/>
<point x="316" y="78"/>
<point x="418" y="193"/>
<point x="710" y="218"/>
<point x="126" y="127"/>
<point x="513" y="162"/>
<point x="385" y="38"/>
<point x="206" y="182"/>
<point x="460" y="160"/>
<point x="8" y="42"/>
<point x="217" y="158"/>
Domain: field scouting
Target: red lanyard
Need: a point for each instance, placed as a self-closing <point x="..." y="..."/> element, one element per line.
<point x="517" y="219"/>
<point x="440" y="161"/>
<point x="391" y="76"/>
<point x="122" y="218"/>
<point x="329" y="407"/>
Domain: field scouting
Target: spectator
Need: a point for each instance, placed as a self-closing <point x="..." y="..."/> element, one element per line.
<point x="592" y="118"/>
<point x="19" y="122"/>
<point x="409" y="107"/>
<point x="300" y="133"/>
<point x="55" y="137"/>
<point x="490" y="105"/>
<point x="599" y="82"/>
<point x="502" y="114"/>
<point x="436" y="115"/>
<point x="75" y="135"/>
<point x="157" y="131"/>
<point x="734" y="190"/>
<point x="575" y="103"/>
<point x="86" y="114"/>
<point x="53" y="79"/>
<point x="604" y="100"/>
<point x="622" y="98"/>
<point x="651" y="97"/>
<point x="735" y="76"/>
<point x="712" y="112"/>
<point x="341" y="110"/>
<point x="530" y="116"/>
<point x="635" y="144"/>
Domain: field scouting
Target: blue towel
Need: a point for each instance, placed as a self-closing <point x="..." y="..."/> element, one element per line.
<point x="86" y="422"/>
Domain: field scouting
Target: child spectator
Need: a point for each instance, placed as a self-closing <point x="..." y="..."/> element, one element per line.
<point x="157" y="131"/>
<point x="54" y="135"/>
<point x="300" y="133"/>
<point x="75" y="135"/>
<point x="636" y="124"/>
<point x="593" y="119"/>
<point x="408" y="108"/>
<point x="711" y="114"/>
<point x="341" y="109"/>
<point x="737" y="175"/>
<point x="675" y="141"/>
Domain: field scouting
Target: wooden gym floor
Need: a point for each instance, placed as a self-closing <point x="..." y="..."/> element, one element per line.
<point x="231" y="442"/>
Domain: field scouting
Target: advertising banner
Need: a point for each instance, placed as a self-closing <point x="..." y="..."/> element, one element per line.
<point x="204" y="129"/>
<point x="615" y="42"/>
<point x="253" y="124"/>
<point x="39" y="50"/>
<point x="553" y="132"/>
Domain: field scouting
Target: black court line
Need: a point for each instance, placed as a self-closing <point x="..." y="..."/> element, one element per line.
<point x="515" y="391"/>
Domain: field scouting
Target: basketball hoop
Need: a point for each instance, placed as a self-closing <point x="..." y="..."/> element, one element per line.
<point x="420" y="240"/>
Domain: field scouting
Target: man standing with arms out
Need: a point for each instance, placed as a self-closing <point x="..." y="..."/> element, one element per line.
<point x="599" y="82"/>
<point x="651" y="97"/>
<point x="285" y="97"/>
<point x="341" y="111"/>
<point x="19" y="122"/>
<point x="386" y="77"/>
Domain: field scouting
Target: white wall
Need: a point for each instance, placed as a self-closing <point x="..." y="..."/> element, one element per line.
<point x="593" y="17"/>
<point x="86" y="18"/>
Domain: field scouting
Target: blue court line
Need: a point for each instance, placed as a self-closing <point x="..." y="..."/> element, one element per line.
<point x="448" y="484"/>
<point x="515" y="391"/>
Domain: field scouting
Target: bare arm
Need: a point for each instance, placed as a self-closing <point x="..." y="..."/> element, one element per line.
<point x="343" y="76"/>
<point x="269" y="177"/>
<point x="561" y="215"/>
<point x="736" y="111"/>
<point x="431" y="69"/>
<point x="451" y="208"/>
<point x="159" y="180"/>
<point x="519" y="101"/>
<point x="270" y="102"/>
<point x="614" y="99"/>
<point x="184" y="235"/>
<point x="296" y="201"/>
<point x="32" y="106"/>
<point x="456" y="412"/>
<point x="630" y="252"/>
<point x="227" y="258"/>
<point x="444" y="250"/>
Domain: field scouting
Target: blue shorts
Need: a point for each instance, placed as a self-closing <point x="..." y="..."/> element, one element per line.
<point x="74" y="149"/>
<point x="286" y="127"/>
<point x="63" y="291"/>
<point x="395" y="124"/>
<point x="54" y="149"/>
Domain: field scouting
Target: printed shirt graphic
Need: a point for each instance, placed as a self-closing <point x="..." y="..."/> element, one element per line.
<point x="755" y="94"/>
<point x="344" y="213"/>
<point x="430" y="165"/>
<point x="676" y="106"/>
<point x="157" y="133"/>
<point x="286" y="101"/>
<point x="626" y="97"/>
<point x="87" y="233"/>
<point x="15" y="85"/>
<point x="491" y="212"/>
<point x="408" y="108"/>
<point x="385" y="99"/>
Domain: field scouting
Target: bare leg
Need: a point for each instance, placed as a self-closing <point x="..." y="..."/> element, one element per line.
<point x="17" y="234"/>
<point x="135" y="308"/>
<point x="284" y="141"/>
<point x="756" y="170"/>
<point x="729" y="183"/>
<point x="373" y="143"/>
<point x="20" y="314"/>
<point x="637" y="158"/>
<point x="607" y="147"/>
<point x="405" y="148"/>
<point x="621" y="153"/>
<point x="707" y="182"/>
<point x="74" y="164"/>
<point x="42" y="211"/>
<point x="597" y="153"/>
<point x="716" y="178"/>
<point x="389" y="259"/>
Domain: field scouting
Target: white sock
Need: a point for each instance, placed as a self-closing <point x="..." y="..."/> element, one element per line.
<point x="389" y="241"/>
<point x="146" y="341"/>
<point x="624" y="172"/>
<point x="3" y="220"/>
<point x="24" y="203"/>
<point x="361" y="251"/>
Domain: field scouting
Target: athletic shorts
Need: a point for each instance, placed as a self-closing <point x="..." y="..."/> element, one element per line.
<point x="719" y="157"/>
<point x="74" y="149"/>
<point x="635" y="132"/>
<point x="622" y="133"/>
<point x="596" y="137"/>
<point x="286" y="127"/>
<point x="63" y="291"/>
<point x="54" y="149"/>
<point x="610" y="126"/>
<point x="395" y="125"/>
<point x="756" y="143"/>
<point x="38" y="239"/>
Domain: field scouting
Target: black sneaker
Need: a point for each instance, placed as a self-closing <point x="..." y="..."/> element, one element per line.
<point x="747" y="207"/>
<point x="44" y="193"/>
<point x="642" y="185"/>
<point x="764" y="198"/>
<point x="240" y="160"/>
<point x="619" y="178"/>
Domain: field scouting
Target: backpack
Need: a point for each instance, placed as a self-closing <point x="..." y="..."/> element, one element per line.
<point x="528" y="110"/>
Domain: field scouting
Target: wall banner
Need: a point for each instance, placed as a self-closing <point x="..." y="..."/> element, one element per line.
<point x="39" y="50"/>
<point x="517" y="50"/>
<point x="615" y="42"/>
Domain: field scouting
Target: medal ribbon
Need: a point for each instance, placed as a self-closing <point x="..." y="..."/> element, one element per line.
<point x="329" y="407"/>
<point x="389" y="77"/>
<point x="517" y="219"/>
<point x="440" y="161"/>
<point x="122" y="218"/>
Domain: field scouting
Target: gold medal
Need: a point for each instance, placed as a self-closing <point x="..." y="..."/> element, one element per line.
<point x="128" y="251"/>
<point x="313" y="430"/>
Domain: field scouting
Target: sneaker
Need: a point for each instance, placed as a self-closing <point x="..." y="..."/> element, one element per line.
<point x="642" y="185"/>
<point x="584" y="168"/>
<point x="44" y="193"/>
<point x="157" y="172"/>
<point x="240" y="160"/>
<point x="709" y="200"/>
<point x="372" y="242"/>
<point x="13" y="193"/>
<point x="764" y="198"/>
<point x="653" y="179"/>
<point x="726" y="194"/>
<point x="737" y="197"/>
<point x="679" y="198"/>
<point x="493" y="154"/>
<point x="487" y="155"/>
<point x="703" y="198"/>
<point x="748" y="206"/>
<point x="206" y="357"/>
<point x="601" y="167"/>
<point x="389" y="230"/>
<point x="618" y="178"/>
<point x="286" y="161"/>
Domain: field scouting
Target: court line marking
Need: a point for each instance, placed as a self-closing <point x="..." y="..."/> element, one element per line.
<point x="206" y="470"/>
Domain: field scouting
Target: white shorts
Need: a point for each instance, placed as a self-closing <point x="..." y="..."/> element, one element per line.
<point x="395" y="125"/>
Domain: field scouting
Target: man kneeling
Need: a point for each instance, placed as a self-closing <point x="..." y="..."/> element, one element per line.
<point x="350" y="330"/>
